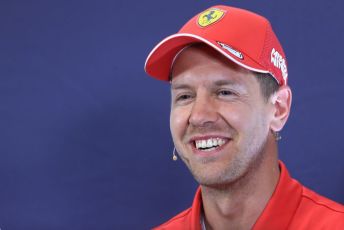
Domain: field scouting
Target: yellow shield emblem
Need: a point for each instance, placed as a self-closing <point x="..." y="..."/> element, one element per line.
<point x="209" y="17"/>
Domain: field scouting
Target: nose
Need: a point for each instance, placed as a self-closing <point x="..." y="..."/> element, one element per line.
<point x="204" y="111"/>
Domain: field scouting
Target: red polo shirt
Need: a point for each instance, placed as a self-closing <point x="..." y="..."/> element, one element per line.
<point x="292" y="206"/>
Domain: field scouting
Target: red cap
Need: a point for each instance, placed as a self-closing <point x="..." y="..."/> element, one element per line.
<point x="244" y="37"/>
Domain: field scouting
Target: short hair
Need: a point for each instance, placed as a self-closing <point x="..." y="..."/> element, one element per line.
<point x="268" y="84"/>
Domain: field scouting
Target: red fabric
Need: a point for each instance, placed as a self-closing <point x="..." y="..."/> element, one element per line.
<point x="292" y="206"/>
<point x="242" y="30"/>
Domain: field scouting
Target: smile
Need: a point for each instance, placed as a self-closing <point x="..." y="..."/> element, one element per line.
<point x="209" y="144"/>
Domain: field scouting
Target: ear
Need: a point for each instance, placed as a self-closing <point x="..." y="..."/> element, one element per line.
<point x="281" y="101"/>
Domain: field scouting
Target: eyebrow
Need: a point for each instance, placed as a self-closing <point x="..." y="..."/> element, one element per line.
<point x="179" y="86"/>
<point x="235" y="85"/>
<point x="225" y="82"/>
<point x="216" y="83"/>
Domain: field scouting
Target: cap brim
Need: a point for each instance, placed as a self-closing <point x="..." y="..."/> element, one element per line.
<point x="160" y="60"/>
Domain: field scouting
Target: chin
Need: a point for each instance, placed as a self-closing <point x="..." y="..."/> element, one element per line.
<point x="221" y="175"/>
<point x="217" y="179"/>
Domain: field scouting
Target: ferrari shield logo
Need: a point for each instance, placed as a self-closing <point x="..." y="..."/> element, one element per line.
<point x="210" y="16"/>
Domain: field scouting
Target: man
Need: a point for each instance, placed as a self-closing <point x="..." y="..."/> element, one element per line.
<point x="230" y="98"/>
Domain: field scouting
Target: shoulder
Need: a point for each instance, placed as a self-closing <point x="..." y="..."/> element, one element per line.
<point x="188" y="219"/>
<point x="177" y="222"/>
<point x="316" y="210"/>
<point x="321" y="202"/>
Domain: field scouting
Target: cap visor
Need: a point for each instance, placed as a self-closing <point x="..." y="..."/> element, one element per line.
<point x="159" y="62"/>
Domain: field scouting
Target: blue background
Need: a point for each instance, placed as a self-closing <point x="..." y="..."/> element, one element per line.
<point x="85" y="141"/>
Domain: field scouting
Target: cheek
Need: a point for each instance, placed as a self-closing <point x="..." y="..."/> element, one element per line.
<point x="253" y="123"/>
<point x="178" y="123"/>
<point x="245" y="121"/>
<point x="238" y="116"/>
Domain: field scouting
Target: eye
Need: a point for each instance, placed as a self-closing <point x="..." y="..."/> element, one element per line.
<point x="225" y="92"/>
<point x="183" y="97"/>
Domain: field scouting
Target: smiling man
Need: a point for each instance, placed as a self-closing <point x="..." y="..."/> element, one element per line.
<point x="230" y="98"/>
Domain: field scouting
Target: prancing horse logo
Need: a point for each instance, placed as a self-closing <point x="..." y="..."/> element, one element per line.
<point x="210" y="16"/>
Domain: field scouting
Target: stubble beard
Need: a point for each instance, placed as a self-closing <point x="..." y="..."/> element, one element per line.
<point x="243" y="165"/>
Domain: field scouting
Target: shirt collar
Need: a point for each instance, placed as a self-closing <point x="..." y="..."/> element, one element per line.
<point x="282" y="205"/>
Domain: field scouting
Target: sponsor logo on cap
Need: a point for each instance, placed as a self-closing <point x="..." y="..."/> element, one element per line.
<point x="279" y="62"/>
<point x="210" y="16"/>
<point x="231" y="50"/>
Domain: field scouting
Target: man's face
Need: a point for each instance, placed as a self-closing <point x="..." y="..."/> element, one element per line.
<point x="219" y="119"/>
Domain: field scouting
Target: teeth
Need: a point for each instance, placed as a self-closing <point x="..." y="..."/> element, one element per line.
<point x="204" y="144"/>
<point x="209" y="144"/>
<point x="220" y="141"/>
<point x="215" y="143"/>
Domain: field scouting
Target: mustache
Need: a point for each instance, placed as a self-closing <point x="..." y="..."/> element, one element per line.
<point x="208" y="128"/>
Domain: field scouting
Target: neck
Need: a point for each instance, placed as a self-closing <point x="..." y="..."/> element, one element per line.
<point x="240" y="204"/>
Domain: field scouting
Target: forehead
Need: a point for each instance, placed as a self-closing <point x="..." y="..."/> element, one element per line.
<point x="201" y="63"/>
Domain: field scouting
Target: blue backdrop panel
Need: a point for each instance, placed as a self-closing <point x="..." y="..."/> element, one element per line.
<point x="85" y="141"/>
